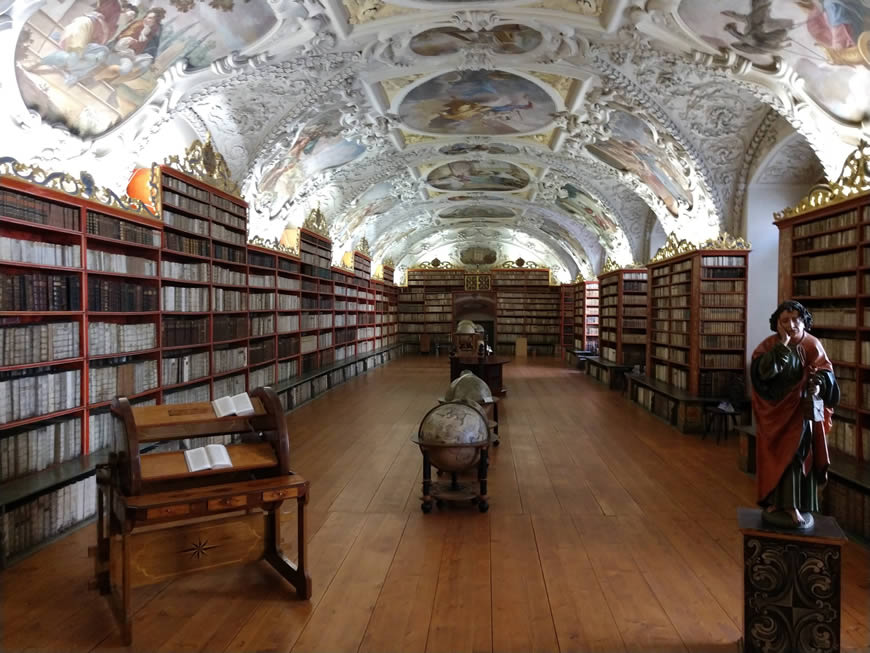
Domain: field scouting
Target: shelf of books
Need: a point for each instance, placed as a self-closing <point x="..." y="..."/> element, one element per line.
<point x="566" y="314"/>
<point x="386" y="311"/>
<point x="96" y="302"/>
<point x="526" y="306"/>
<point x="824" y="259"/>
<point x="426" y="307"/>
<point x="586" y="315"/>
<point x="696" y="351"/>
<point x="623" y="298"/>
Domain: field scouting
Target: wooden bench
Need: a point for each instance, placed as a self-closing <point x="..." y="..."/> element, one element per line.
<point x="676" y="406"/>
<point x="156" y="520"/>
<point x="607" y="372"/>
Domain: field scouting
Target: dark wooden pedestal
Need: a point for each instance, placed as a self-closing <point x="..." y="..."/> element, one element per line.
<point x="489" y="369"/>
<point x="791" y="586"/>
<point x="610" y="374"/>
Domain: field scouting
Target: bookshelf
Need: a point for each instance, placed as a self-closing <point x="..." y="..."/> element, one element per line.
<point x="527" y="306"/>
<point x="586" y="315"/>
<point x="824" y="260"/>
<point x="622" y="316"/>
<point x="426" y="307"/>
<point x="162" y="312"/>
<point x="567" y="293"/>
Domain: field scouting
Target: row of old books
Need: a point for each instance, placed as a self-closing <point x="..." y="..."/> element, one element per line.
<point x="180" y="331"/>
<point x="259" y="301"/>
<point x="117" y="295"/>
<point x="32" y="449"/>
<point x="38" y="343"/>
<point x="260" y="351"/>
<point x="38" y="391"/>
<point x="191" y="394"/>
<point x="113" y="338"/>
<point x="181" y="221"/>
<point x="186" y="244"/>
<point x="185" y="299"/>
<point x="262" y="376"/>
<point x="230" y="359"/>
<point x="39" y="253"/>
<point x="100" y="261"/>
<point x="185" y="271"/>
<point x="229" y="300"/>
<point x="99" y="224"/>
<point x="849" y="505"/>
<point x="36" y="291"/>
<point x="185" y="367"/>
<point x="264" y="325"/>
<point x="105" y="430"/>
<point x="229" y="385"/>
<point x="120" y="377"/>
<point x="229" y="327"/>
<point x="49" y="515"/>
<point x="33" y="209"/>
<point x="229" y="253"/>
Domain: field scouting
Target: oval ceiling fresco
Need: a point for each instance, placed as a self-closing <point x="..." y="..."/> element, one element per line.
<point x="479" y="102"/>
<point x="577" y="203"/>
<point x="88" y="65"/>
<point x="477" y="211"/>
<point x="826" y="41"/>
<point x="631" y="147"/>
<point x="478" y="176"/>
<point x="457" y="149"/>
<point x="504" y="39"/>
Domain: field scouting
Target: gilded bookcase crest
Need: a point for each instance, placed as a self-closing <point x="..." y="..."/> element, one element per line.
<point x="854" y="180"/>
<point x="673" y="247"/>
<point x="84" y="187"/>
<point x="259" y="241"/>
<point x="363" y="247"/>
<point x="203" y="161"/>
<point x="726" y="241"/>
<point x="389" y="263"/>
<point x="609" y="265"/>
<point x="316" y="222"/>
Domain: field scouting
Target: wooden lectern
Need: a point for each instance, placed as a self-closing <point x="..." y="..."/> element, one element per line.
<point x="156" y="520"/>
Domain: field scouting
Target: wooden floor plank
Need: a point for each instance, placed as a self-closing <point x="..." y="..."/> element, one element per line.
<point x="400" y="621"/>
<point x="608" y="531"/>
<point x="462" y="613"/>
<point x="354" y="591"/>
<point x="521" y="617"/>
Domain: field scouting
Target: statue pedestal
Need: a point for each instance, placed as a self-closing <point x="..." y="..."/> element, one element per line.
<point x="791" y="585"/>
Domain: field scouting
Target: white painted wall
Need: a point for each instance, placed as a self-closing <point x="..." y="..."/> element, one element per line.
<point x="762" y="200"/>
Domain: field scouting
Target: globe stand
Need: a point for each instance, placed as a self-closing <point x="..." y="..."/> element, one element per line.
<point x="454" y="491"/>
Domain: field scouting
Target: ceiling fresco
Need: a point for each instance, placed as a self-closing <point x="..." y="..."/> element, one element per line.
<point x="487" y="175"/>
<point x="482" y="103"/>
<point x="564" y="132"/>
<point x="827" y="42"/>
<point x="88" y="65"/>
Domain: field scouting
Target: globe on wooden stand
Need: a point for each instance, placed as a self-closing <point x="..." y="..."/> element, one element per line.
<point x="453" y="437"/>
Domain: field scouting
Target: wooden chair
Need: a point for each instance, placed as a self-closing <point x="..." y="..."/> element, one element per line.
<point x="724" y="420"/>
<point x="156" y="520"/>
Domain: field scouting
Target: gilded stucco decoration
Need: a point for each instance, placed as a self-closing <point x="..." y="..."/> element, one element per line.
<point x="315" y="221"/>
<point x="84" y="186"/>
<point x="854" y="180"/>
<point x="204" y="162"/>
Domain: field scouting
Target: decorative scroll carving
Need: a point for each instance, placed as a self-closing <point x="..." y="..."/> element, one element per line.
<point x="522" y="263"/>
<point x="854" y="179"/>
<point x="203" y="161"/>
<point x="259" y="241"/>
<point x="673" y="247"/>
<point x="363" y="247"/>
<point x="726" y="241"/>
<point x="316" y="222"/>
<point x="83" y="187"/>
<point x="437" y="264"/>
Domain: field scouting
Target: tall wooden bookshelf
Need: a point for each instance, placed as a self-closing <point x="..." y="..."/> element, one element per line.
<point x="586" y="315"/>
<point x="98" y="302"/>
<point x="696" y="350"/>
<point x="567" y="294"/>
<point x="527" y="306"/>
<point x="426" y="306"/>
<point x="622" y="309"/>
<point x="824" y="260"/>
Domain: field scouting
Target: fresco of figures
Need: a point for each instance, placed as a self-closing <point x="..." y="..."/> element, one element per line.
<point x="504" y="39"/>
<point x="826" y="41"/>
<point x="575" y="201"/>
<point x="632" y="148"/>
<point x="375" y="201"/>
<point x="497" y="149"/>
<point x="317" y="146"/>
<point x="478" y="176"/>
<point x="477" y="211"/>
<point x="87" y="65"/>
<point x="477" y="102"/>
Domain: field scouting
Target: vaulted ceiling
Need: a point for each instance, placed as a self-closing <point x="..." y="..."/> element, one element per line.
<point x="558" y="131"/>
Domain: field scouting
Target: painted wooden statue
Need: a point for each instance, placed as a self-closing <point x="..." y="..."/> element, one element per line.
<point x="793" y="395"/>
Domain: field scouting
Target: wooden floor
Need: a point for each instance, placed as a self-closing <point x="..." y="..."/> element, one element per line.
<point x="608" y="531"/>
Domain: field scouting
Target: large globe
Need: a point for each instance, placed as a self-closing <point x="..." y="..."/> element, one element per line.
<point x="470" y="387"/>
<point x="465" y="327"/>
<point x="454" y="422"/>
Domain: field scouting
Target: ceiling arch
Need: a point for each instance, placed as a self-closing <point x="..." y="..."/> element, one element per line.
<point x="600" y="124"/>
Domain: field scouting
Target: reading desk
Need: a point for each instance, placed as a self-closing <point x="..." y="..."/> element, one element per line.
<point x="157" y="520"/>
